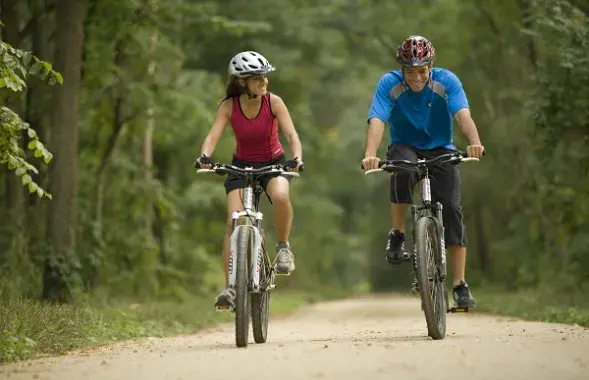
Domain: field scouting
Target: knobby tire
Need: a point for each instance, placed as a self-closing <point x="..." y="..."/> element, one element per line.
<point x="261" y="301"/>
<point x="241" y="285"/>
<point x="426" y="230"/>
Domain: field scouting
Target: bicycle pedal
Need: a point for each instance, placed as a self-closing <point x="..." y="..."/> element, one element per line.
<point x="456" y="309"/>
<point x="397" y="261"/>
<point x="224" y="309"/>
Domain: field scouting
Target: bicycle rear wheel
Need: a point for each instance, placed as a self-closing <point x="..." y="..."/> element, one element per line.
<point x="261" y="301"/>
<point x="431" y="285"/>
<point x="242" y="294"/>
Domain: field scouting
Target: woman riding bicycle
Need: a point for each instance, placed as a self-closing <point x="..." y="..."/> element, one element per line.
<point x="255" y="114"/>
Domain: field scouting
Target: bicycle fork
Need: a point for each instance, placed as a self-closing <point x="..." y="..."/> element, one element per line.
<point x="415" y="214"/>
<point x="257" y="257"/>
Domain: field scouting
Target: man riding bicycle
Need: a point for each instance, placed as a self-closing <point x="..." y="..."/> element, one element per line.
<point x="419" y="103"/>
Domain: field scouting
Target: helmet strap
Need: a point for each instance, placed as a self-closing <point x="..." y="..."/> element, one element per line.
<point x="249" y="94"/>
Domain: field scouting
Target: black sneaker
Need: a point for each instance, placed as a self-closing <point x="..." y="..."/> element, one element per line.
<point x="225" y="300"/>
<point x="462" y="296"/>
<point x="395" y="251"/>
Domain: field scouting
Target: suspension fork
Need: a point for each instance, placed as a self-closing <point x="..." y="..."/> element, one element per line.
<point x="255" y="260"/>
<point x="414" y="217"/>
<point x="438" y="208"/>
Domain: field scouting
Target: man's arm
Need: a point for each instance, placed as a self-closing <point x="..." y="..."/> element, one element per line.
<point x="458" y="106"/>
<point x="467" y="126"/>
<point x="374" y="136"/>
<point x="379" y="113"/>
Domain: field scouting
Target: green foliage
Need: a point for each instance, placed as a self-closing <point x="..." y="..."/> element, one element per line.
<point x="15" y="66"/>
<point x="152" y="228"/>
<point x="533" y="305"/>
<point x="30" y="328"/>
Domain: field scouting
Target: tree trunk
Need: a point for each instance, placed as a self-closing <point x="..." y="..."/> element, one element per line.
<point x="37" y="101"/>
<point x="37" y="93"/>
<point x="161" y="160"/>
<point x="528" y="23"/>
<point x="148" y="135"/>
<point x="117" y="128"/>
<point x="61" y="220"/>
<point x="14" y="189"/>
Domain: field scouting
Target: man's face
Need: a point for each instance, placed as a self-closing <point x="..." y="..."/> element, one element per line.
<point x="416" y="77"/>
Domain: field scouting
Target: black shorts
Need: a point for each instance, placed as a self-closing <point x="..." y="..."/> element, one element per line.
<point x="445" y="188"/>
<point x="233" y="181"/>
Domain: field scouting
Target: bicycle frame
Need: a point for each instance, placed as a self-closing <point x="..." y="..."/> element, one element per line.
<point x="436" y="209"/>
<point x="250" y="211"/>
<point x="251" y="197"/>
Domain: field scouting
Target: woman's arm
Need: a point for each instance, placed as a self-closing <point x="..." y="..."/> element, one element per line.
<point x="221" y="120"/>
<point x="287" y="126"/>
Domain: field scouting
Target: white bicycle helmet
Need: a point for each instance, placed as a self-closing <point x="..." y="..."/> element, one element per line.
<point x="249" y="63"/>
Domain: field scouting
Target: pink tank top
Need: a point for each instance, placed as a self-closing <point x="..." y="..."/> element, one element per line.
<point x="257" y="139"/>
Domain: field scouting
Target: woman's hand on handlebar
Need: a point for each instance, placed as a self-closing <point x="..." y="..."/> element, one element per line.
<point x="204" y="162"/>
<point x="294" y="165"/>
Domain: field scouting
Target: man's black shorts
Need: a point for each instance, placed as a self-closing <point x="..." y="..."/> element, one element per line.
<point x="445" y="188"/>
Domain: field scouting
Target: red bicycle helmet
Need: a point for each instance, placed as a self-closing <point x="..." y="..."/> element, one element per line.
<point x="416" y="51"/>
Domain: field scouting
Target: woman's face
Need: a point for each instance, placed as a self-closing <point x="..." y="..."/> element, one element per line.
<point x="416" y="77"/>
<point x="257" y="84"/>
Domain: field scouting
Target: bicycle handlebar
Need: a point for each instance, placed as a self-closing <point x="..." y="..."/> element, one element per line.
<point x="219" y="168"/>
<point x="453" y="157"/>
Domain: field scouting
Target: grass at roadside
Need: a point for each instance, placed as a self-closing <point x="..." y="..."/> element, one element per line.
<point x="30" y="328"/>
<point x="531" y="305"/>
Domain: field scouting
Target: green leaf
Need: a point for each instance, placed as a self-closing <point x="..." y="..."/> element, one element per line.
<point x="27" y="58"/>
<point x="40" y="192"/>
<point x="32" y="144"/>
<point x="26" y="179"/>
<point x="2" y="82"/>
<point x="59" y="77"/>
<point x="47" y="156"/>
<point x="38" y="153"/>
<point x="36" y="68"/>
<point x="33" y="187"/>
<point x="31" y="132"/>
<point x="20" y="171"/>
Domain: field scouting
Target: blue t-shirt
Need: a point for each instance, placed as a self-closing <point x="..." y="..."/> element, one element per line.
<point x="421" y="119"/>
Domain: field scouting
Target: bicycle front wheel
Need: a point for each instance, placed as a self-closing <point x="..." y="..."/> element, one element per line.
<point x="431" y="284"/>
<point x="261" y="301"/>
<point x="242" y="295"/>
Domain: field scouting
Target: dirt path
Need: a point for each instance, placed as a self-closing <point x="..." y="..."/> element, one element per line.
<point x="369" y="338"/>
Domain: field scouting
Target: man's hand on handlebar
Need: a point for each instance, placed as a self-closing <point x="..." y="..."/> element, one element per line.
<point x="204" y="162"/>
<point x="475" y="151"/>
<point x="369" y="163"/>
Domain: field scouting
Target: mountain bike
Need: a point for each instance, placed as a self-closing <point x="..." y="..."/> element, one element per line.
<point x="429" y="250"/>
<point x="251" y="273"/>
